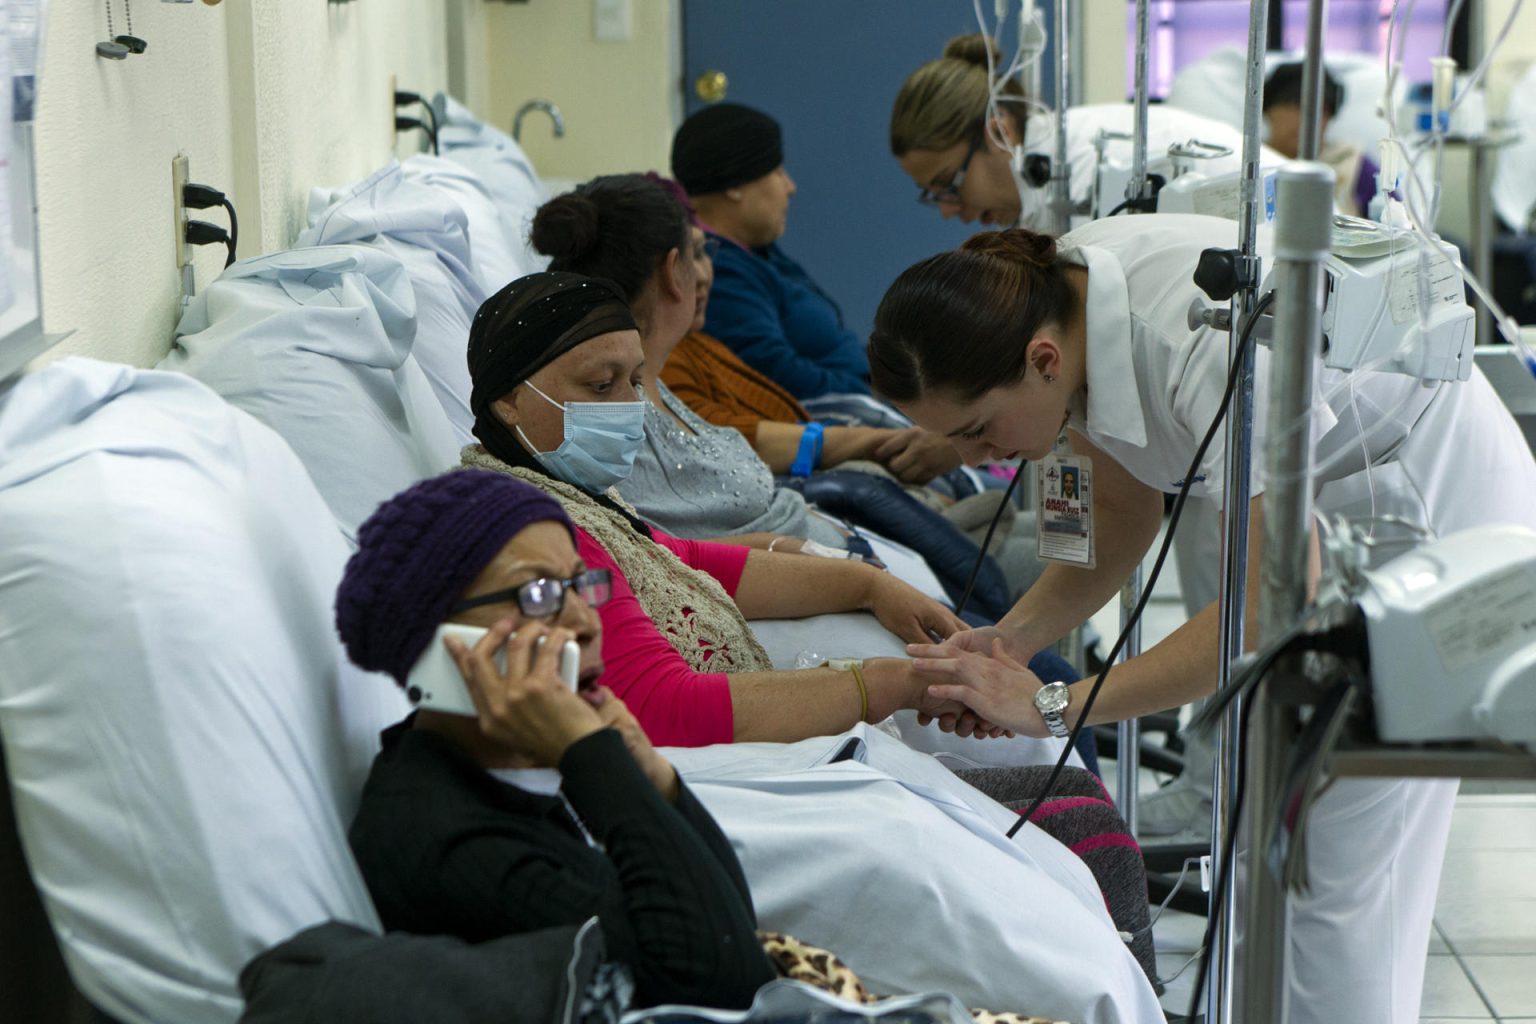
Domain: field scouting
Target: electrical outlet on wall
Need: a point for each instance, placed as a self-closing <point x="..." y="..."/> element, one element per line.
<point x="612" y="21"/>
<point x="179" y="178"/>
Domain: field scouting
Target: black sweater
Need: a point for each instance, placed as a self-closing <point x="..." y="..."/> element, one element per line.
<point x="447" y="849"/>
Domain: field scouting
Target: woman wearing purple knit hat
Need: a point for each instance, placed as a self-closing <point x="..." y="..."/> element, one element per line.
<point x="550" y="806"/>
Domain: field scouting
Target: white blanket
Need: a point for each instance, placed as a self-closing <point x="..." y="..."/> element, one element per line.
<point x="878" y="853"/>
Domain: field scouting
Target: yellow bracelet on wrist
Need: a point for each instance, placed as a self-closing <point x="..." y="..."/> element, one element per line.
<point x="855" y="666"/>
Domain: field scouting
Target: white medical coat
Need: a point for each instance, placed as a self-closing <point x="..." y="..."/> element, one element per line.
<point x="1449" y="457"/>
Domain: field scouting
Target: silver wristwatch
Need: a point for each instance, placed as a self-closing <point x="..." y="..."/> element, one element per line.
<point x="1051" y="700"/>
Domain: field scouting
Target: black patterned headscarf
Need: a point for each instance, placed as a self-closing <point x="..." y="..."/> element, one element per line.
<point x="526" y="326"/>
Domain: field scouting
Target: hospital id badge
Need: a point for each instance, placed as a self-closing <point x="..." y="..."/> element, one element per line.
<point x="1064" y="502"/>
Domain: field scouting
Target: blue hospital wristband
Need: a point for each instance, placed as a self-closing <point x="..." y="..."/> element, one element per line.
<point x="809" y="452"/>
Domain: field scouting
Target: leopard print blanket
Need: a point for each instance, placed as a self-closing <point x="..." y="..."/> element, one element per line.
<point x="800" y="961"/>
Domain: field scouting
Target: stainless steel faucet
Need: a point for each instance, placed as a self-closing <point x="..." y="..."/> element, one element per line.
<point x="542" y="105"/>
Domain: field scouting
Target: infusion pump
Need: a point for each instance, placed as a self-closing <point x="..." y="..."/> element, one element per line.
<point x="1394" y="302"/>
<point x="1451" y="628"/>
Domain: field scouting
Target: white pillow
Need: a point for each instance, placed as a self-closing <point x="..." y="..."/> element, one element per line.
<point x="316" y="344"/>
<point x="185" y="738"/>
<point x="426" y="230"/>
<point x="500" y="163"/>
<point x="501" y="255"/>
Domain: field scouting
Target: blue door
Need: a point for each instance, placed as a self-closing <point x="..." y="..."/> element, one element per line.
<point x="829" y="70"/>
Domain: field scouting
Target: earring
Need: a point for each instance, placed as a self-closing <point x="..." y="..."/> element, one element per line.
<point x="1048" y="378"/>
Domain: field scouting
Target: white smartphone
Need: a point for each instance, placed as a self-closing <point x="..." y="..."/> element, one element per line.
<point x="436" y="684"/>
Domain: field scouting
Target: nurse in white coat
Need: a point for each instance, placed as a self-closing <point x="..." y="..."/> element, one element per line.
<point x="965" y="166"/>
<point x="1015" y="338"/>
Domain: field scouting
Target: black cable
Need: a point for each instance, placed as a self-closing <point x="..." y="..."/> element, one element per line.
<point x="195" y="196"/>
<point x="200" y="197"/>
<point x="1224" y="870"/>
<point x="234" y="230"/>
<point x="432" y="131"/>
<point x="405" y="124"/>
<point x="406" y="98"/>
<point x="981" y="556"/>
<point x="1297" y="639"/>
<point x="1157" y="566"/>
<point x="200" y="232"/>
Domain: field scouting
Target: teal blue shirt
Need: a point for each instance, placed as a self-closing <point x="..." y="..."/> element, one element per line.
<point x="771" y="314"/>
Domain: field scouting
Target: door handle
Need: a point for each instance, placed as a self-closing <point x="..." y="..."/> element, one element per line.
<point x="711" y="86"/>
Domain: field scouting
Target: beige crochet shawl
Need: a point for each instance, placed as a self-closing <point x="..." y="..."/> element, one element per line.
<point x="690" y="607"/>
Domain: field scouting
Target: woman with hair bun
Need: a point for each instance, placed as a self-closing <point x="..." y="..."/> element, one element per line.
<point x="996" y="170"/>
<point x="694" y="479"/>
<point x="1016" y="339"/>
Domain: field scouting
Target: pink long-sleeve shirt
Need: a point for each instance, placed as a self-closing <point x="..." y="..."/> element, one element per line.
<point x="676" y="706"/>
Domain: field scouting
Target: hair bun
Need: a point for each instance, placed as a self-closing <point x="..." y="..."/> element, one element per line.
<point x="973" y="49"/>
<point x="1017" y="245"/>
<point x="566" y="228"/>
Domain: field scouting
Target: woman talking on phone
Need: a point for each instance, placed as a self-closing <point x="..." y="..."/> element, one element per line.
<point x="550" y="806"/>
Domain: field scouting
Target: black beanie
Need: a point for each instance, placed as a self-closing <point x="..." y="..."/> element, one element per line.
<point x="724" y="146"/>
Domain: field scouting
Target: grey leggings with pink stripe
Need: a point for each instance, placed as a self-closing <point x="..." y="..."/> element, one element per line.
<point x="1081" y="816"/>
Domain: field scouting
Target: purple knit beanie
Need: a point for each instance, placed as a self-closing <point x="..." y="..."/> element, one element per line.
<point x="417" y="553"/>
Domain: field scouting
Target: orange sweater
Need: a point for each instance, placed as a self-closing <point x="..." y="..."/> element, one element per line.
<point x="725" y="391"/>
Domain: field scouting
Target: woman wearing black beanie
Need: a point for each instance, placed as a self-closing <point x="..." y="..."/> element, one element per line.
<point x="764" y="305"/>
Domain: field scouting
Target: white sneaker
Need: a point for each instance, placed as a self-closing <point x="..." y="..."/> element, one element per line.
<point x="1184" y="805"/>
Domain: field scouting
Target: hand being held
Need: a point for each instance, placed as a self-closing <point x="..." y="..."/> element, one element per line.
<point x="978" y="640"/>
<point x="916" y="456"/>
<point x="993" y="687"/>
<point x="909" y="613"/>
<point x="527" y="706"/>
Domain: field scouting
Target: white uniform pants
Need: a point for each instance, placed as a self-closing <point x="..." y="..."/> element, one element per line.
<point x="1359" y="938"/>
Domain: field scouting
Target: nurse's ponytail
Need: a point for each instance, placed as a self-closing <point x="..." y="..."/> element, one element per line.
<point x="1029" y="249"/>
<point x="941" y="103"/>
<point x="960" y="322"/>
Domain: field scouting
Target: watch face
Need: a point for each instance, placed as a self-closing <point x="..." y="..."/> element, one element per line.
<point x="1052" y="698"/>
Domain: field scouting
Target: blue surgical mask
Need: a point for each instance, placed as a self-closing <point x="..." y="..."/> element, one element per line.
<point x="601" y="442"/>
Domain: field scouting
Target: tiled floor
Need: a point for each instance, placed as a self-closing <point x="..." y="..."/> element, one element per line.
<point x="1482" y="958"/>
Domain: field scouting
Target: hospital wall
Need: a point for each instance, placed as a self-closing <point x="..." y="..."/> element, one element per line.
<point x="269" y="98"/>
<point x="621" y="100"/>
<point x="265" y="98"/>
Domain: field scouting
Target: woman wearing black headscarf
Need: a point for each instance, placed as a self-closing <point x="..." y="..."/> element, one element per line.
<point x="555" y="361"/>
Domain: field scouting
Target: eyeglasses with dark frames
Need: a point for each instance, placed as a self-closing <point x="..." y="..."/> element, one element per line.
<point x="544" y="597"/>
<point x="950" y="193"/>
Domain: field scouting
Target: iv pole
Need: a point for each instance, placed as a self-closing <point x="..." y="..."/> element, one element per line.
<point x="1304" y="208"/>
<point x="1234" y="554"/>
<point x="1061" y="170"/>
<point x="1128" y="732"/>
